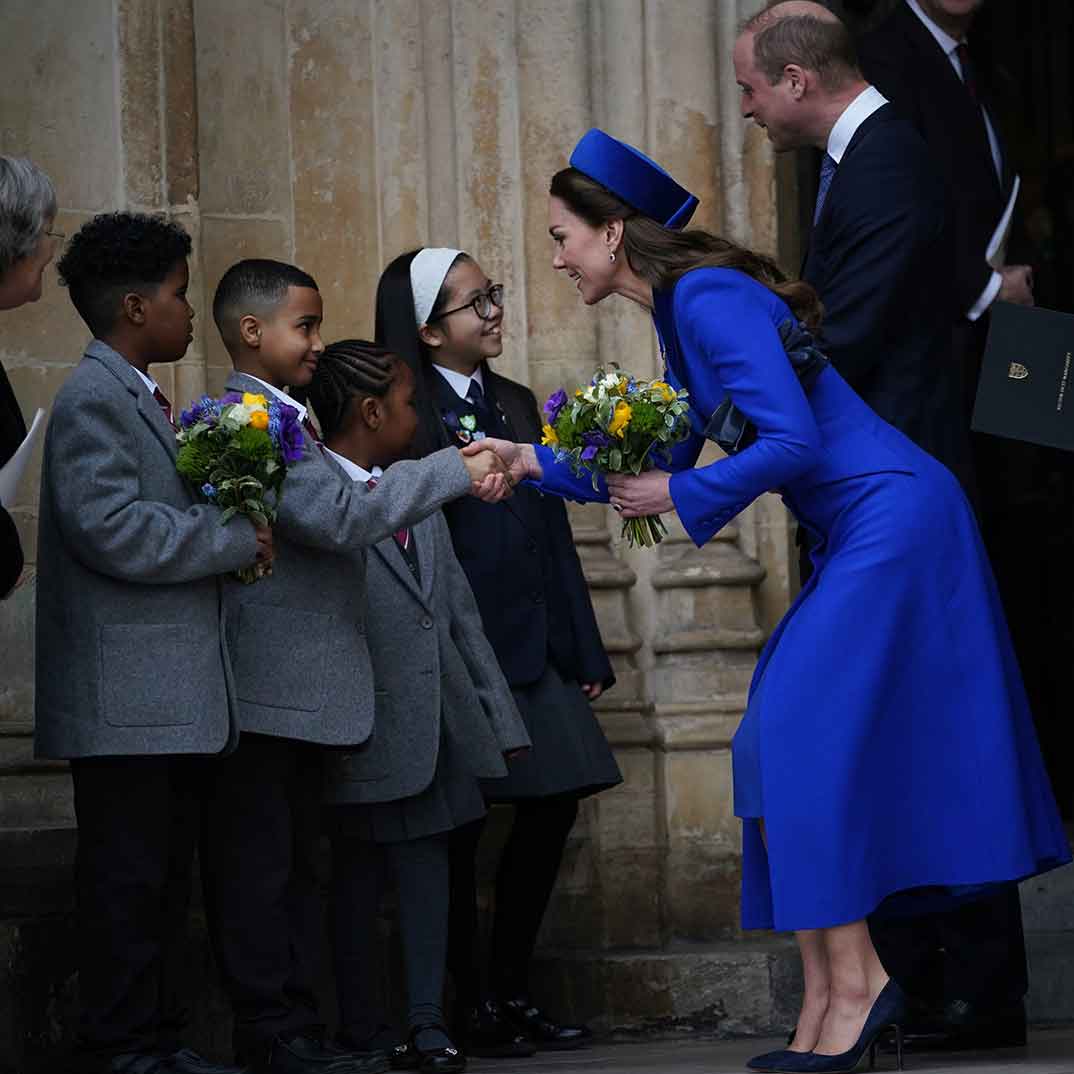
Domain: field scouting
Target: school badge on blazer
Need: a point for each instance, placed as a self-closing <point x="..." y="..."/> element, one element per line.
<point x="1025" y="387"/>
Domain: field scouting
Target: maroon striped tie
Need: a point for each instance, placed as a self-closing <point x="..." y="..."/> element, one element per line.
<point x="166" y="406"/>
<point x="402" y="537"/>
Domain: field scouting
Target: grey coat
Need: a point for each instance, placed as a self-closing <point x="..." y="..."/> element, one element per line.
<point x="431" y="660"/>
<point x="297" y="639"/>
<point x="129" y="643"/>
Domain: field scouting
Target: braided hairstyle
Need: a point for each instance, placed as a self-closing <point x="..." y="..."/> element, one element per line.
<point x="347" y="370"/>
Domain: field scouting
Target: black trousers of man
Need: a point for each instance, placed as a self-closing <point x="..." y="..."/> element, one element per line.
<point x="138" y="823"/>
<point x="262" y="826"/>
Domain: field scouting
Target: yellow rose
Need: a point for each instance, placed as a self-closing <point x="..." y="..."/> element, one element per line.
<point x="620" y="419"/>
<point x="548" y="436"/>
<point x="252" y="399"/>
<point x="259" y="419"/>
<point x="664" y="389"/>
<point x="623" y="384"/>
<point x="577" y="393"/>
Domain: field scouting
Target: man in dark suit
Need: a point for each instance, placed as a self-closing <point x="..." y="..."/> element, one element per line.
<point x="880" y="252"/>
<point x="970" y="964"/>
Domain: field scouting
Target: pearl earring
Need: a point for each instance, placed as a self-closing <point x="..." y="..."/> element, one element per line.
<point x="611" y="256"/>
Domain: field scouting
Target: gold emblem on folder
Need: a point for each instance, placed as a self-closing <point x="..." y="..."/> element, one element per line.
<point x="1017" y="371"/>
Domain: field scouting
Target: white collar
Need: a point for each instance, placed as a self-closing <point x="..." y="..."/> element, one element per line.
<point x="943" y="38"/>
<point x="854" y="115"/>
<point x="147" y="380"/>
<point x="352" y="469"/>
<point x="282" y="396"/>
<point x="460" y="382"/>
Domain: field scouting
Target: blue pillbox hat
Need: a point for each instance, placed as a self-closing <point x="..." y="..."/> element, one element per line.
<point x="633" y="177"/>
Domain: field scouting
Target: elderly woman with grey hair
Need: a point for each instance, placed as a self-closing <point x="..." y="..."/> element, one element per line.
<point x="27" y="243"/>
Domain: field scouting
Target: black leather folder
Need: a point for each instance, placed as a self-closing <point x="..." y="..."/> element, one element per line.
<point x="1026" y="390"/>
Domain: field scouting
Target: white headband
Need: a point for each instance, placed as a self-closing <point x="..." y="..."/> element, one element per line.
<point x="427" y="272"/>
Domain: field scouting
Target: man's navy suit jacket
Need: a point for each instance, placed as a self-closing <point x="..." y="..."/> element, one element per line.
<point x="881" y="258"/>
<point x="909" y="67"/>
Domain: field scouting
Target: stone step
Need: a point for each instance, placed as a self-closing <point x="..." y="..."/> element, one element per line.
<point x="32" y="797"/>
<point x="733" y="988"/>
<point x="739" y="987"/>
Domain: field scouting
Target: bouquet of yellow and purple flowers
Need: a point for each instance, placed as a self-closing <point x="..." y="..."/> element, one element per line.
<point x="618" y="424"/>
<point x="235" y="450"/>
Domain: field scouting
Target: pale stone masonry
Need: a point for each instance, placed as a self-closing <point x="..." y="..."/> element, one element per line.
<point x="338" y="133"/>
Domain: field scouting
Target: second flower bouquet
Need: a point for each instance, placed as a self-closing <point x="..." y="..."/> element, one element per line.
<point x="235" y="450"/>
<point x="618" y="424"/>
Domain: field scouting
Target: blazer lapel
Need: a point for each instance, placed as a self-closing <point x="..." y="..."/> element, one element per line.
<point x="393" y="557"/>
<point x="148" y="407"/>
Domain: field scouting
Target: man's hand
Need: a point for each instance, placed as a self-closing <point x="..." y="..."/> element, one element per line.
<point x="489" y="480"/>
<point x="646" y="494"/>
<point x="1017" y="286"/>
<point x="265" y="552"/>
<point x="520" y="460"/>
<point x="592" y="690"/>
<point x="510" y="755"/>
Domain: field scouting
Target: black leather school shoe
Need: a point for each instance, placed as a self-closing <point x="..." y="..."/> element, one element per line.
<point x="545" y="1032"/>
<point x="485" y="1031"/>
<point x="409" y="1056"/>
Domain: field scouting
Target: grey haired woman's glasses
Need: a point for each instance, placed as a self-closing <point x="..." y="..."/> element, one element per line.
<point x="481" y="304"/>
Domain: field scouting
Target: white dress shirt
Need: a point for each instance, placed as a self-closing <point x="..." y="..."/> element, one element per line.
<point x="147" y="380"/>
<point x="460" y="382"/>
<point x="854" y="115"/>
<point x="352" y="469"/>
<point x="950" y="46"/>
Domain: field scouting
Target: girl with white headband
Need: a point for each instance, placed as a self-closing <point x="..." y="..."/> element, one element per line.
<point x="438" y="309"/>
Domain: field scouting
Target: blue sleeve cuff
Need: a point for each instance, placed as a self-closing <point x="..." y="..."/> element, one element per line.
<point x="558" y="480"/>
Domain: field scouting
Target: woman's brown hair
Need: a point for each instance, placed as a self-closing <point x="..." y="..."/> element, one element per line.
<point x="660" y="255"/>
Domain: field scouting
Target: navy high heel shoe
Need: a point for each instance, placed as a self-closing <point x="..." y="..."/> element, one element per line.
<point x="773" y="1062"/>
<point x="888" y="1012"/>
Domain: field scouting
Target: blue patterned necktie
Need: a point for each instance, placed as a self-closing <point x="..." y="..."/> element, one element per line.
<point x="827" y="173"/>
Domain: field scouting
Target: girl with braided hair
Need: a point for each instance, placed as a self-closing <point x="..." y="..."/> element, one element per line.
<point x="444" y="718"/>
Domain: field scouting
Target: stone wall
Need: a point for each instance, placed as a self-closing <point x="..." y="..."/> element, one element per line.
<point x="337" y="134"/>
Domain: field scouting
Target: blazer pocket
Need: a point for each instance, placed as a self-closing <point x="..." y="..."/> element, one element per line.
<point x="368" y="763"/>
<point x="140" y="666"/>
<point x="280" y="656"/>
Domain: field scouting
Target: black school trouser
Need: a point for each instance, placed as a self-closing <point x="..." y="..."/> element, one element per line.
<point x="262" y="825"/>
<point x="138" y="821"/>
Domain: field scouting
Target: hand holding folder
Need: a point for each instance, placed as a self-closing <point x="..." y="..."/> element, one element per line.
<point x="1026" y="390"/>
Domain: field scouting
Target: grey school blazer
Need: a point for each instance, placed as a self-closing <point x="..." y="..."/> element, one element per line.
<point x="431" y="660"/>
<point x="130" y="658"/>
<point x="297" y="639"/>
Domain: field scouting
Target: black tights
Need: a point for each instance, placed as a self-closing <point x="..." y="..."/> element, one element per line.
<point x="421" y="873"/>
<point x="524" y="881"/>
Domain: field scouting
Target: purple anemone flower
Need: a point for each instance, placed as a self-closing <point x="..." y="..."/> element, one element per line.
<point x="203" y="409"/>
<point x="291" y="441"/>
<point x="230" y="397"/>
<point x="594" y="440"/>
<point x="554" y="404"/>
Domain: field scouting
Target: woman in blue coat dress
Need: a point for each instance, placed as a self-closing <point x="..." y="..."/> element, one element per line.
<point x="887" y="757"/>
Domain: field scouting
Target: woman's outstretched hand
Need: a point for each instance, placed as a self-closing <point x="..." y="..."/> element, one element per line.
<point x="647" y="494"/>
<point x="489" y="478"/>
<point x="519" y="460"/>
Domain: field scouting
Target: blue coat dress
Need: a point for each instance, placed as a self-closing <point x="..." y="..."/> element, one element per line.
<point x="891" y="745"/>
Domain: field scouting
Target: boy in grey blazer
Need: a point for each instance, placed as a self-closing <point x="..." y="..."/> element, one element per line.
<point x="445" y="717"/>
<point x="302" y="678"/>
<point x="133" y="684"/>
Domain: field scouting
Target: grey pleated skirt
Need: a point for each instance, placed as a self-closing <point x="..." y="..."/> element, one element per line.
<point x="570" y="754"/>
<point x="452" y="799"/>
